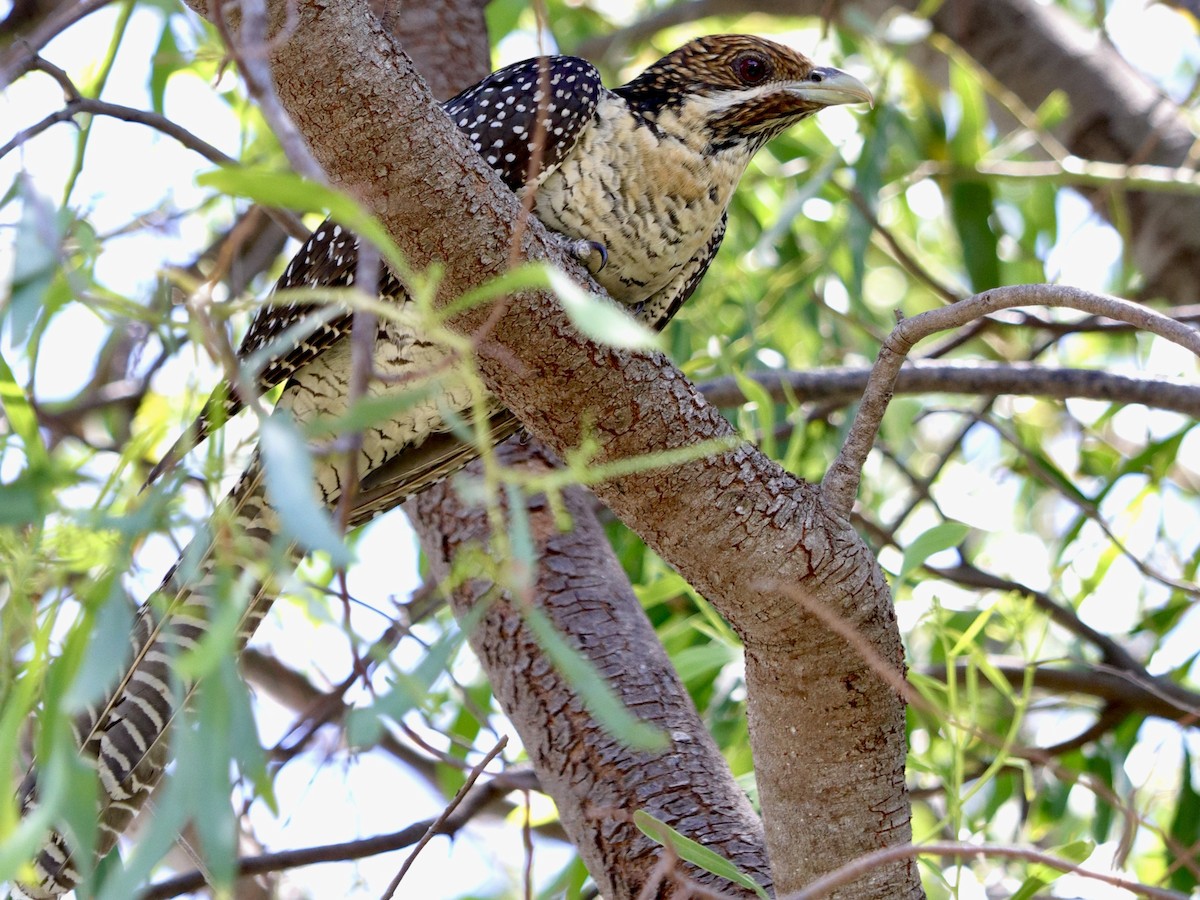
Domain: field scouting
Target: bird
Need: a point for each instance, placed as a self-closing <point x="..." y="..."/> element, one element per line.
<point x="636" y="180"/>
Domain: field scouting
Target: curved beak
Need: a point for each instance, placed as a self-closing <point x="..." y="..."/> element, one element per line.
<point x="827" y="86"/>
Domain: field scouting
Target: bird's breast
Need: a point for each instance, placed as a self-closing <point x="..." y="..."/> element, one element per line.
<point x="651" y="198"/>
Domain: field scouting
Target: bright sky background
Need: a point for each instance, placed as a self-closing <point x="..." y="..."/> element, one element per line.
<point x="131" y="168"/>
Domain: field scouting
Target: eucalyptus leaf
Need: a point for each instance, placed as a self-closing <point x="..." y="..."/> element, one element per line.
<point x="598" y="697"/>
<point x="697" y="854"/>
<point x="938" y="538"/>
<point x="291" y="488"/>
<point x="600" y="319"/>
<point x="35" y="260"/>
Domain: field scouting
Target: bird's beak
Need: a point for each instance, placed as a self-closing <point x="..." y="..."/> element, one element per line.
<point x="831" y="87"/>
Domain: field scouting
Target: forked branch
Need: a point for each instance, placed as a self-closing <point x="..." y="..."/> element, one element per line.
<point x="840" y="484"/>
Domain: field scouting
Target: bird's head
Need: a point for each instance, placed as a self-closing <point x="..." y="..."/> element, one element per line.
<point x="738" y="90"/>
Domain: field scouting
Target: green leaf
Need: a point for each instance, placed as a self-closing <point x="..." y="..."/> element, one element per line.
<point x="971" y="204"/>
<point x="522" y="547"/>
<point x="764" y="407"/>
<point x="598" y="318"/>
<point x="99" y="668"/>
<point x="869" y="179"/>
<point x="1185" y="828"/>
<point x="371" y="410"/>
<point x="696" y="854"/>
<point x="528" y="276"/>
<point x="21" y="503"/>
<point x="503" y="16"/>
<point x="1054" y="110"/>
<point x="21" y="417"/>
<point x="568" y="884"/>
<point x="938" y="538"/>
<point x="78" y="811"/>
<point x="597" y="696"/>
<point x="20" y="839"/>
<point x="35" y="261"/>
<point x="219" y="715"/>
<point x="291" y="488"/>
<point x="409" y="690"/>
<point x="1100" y="767"/>
<point x="284" y="189"/>
<point x="968" y="142"/>
<point x="1041" y="875"/>
<point x="21" y="845"/>
<point x="165" y="63"/>
<point x="220" y="638"/>
<point x="702" y="661"/>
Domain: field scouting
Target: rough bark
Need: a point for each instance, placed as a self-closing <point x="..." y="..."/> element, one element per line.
<point x="756" y="541"/>
<point x="447" y="41"/>
<point x="596" y="781"/>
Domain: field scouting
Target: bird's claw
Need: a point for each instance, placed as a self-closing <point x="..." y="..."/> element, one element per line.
<point x="584" y="251"/>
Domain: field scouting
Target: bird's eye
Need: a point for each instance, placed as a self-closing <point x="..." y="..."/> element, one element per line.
<point x="751" y="68"/>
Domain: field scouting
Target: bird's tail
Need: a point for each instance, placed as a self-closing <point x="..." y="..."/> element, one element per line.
<point x="125" y="735"/>
<point x="218" y="409"/>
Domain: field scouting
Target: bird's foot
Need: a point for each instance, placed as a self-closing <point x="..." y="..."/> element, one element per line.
<point x="592" y="254"/>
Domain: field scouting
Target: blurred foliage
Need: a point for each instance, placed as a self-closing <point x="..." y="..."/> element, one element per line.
<point x="1091" y="503"/>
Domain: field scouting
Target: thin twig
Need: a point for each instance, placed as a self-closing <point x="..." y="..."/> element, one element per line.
<point x="851" y="872"/>
<point x="364" y="329"/>
<point x="251" y="49"/>
<point x="95" y="107"/>
<point x="440" y="820"/>
<point x="841" y="480"/>
<point x="845" y="384"/>
<point x="350" y="850"/>
<point x="19" y="57"/>
<point x="1074" y="171"/>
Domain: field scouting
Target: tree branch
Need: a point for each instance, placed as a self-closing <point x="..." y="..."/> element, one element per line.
<point x="826" y="886"/>
<point x="478" y="799"/>
<point x="596" y="780"/>
<point x="846" y="384"/>
<point x="1143" y="695"/>
<point x="840" y="484"/>
<point x="51" y="18"/>
<point x="721" y="521"/>
<point x="93" y="107"/>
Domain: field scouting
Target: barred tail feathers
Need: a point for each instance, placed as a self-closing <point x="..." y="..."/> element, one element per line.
<point x="125" y="735"/>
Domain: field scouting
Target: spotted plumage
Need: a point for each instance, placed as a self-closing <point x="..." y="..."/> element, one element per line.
<point x="645" y="172"/>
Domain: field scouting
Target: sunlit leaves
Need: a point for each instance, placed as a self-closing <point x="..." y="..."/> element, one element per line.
<point x="840" y="225"/>
<point x="290" y="478"/>
<point x="695" y="853"/>
<point x="600" y="319"/>
<point x="940" y="537"/>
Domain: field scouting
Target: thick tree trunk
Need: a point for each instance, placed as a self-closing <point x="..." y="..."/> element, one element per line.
<point x="756" y="541"/>
<point x="596" y="781"/>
